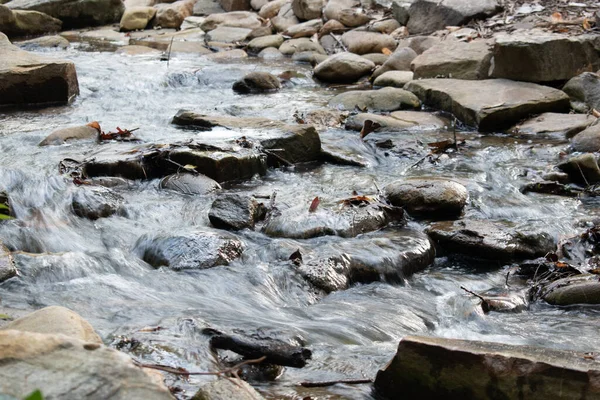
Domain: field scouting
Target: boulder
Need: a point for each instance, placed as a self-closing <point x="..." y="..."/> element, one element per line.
<point x="96" y="202"/>
<point x="235" y="212"/>
<point x="26" y="23"/>
<point x="188" y="183"/>
<point x="56" y="320"/>
<point x="436" y="368"/>
<point x="283" y="23"/>
<point x="399" y="60"/>
<point x="386" y="26"/>
<point x="332" y="26"/>
<point x="587" y="141"/>
<point x="75" y="14"/>
<point x="427" y="16"/>
<point x="48" y="42"/>
<point x="538" y="56"/>
<point x="228" y="34"/>
<point x="360" y="42"/>
<point x="257" y="45"/>
<point x="236" y="19"/>
<point x="205" y="8"/>
<point x="228" y="55"/>
<point x="497" y="241"/>
<point x="305" y="29"/>
<point x="311" y="57"/>
<point x="290" y="47"/>
<point x="227" y="389"/>
<point x="60" y="136"/>
<point x="428" y="198"/>
<point x="257" y="82"/>
<point x="235" y="5"/>
<point x="333" y="8"/>
<point x="399" y="121"/>
<point x="400" y="10"/>
<point x="258" y="4"/>
<point x="135" y="18"/>
<point x="266" y="30"/>
<point x="418" y="43"/>
<point x="377" y="58"/>
<point x="584" y="91"/>
<point x="578" y="289"/>
<point x="172" y="15"/>
<point x="353" y="17"/>
<point x="270" y="53"/>
<point x="582" y="169"/>
<point x="455" y="59"/>
<point x="385" y="99"/>
<point x="29" y="79"/>
<point x="272" y="8"/>
<point x="135" y="50"/>
<point x="189" y="250"/>
<point x="395" y="79"/>
<point x="306" y="10"/>
<point x="343" y="68"/>
<point x="7" y="266"/>
<point x="491" y="104"/>
<point x="553" y="124"/>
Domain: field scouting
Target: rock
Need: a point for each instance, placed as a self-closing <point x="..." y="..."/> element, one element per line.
<point x="260" y="43"/>
<point x="377" y="58"/>
<point x="333" y="9"/>
<point x="588" y="140"/>
<point x="581" y="169"/>
<point x="427" y="16"/>
<point x="584" y="91"/>
<point x="48" y="42"/>
<point x="135" y="50"/>
<point x="308" y="9"/>
<point x="236" y="19"/>
<point x="455" y="59"/>
<point x="56" y="320"/>
<point x="490" y="240"/>
<point x="579" y="289"/>
<point x="188" y="183"/>
<point x="258" y="4"/>
<point x="343" y="68"/>
<point x="188" y="41"/>
<point x="395" y="79"/>
<point x="7" y="266"/>
<point x="400" y="10"/>
<point x="227" y="389"/>
<point x="235" y="212"/>
<point x="490" y="104"/>
<point x="428" y="198"/>
<point x="190" y="250"/>
<point x="234" y="54"/>
<point x="359" y="42"/>
<point x="235" y="5"/>
<point x="393" y="256"/>
<point x="270" y="53"/>
<point x="64" y="135"/>
<point x="293" y="46"/>
<point x="135" y="18"/>
<point x="553" y="124"/>
<point x="281" y="23"/>
<point x="96" y="202"/>
<point x="399" y="121"/>
<point x="386" y="26"/>
<point x="172" y="15"/>
<point x="261" y="32"/>
<point x="29" y="79"/>
<point x="353" y="17"/>
<point x="419" y="44"/>
<point x="75" y="14"/>
<point x="551" y="187"/>
<point x="26" y="23"/>
<point x="305" y="29"/>
<point x="205" y="8"/>
<point x="332" y="26"/>
<point x="257" y="82"/>
<point x="310" y="57"/>
<point x="227" y="34"/>
<point x="271" y="9"/>
<point x="481" y="368"/>
<point x="399" y="60"/>
<point x="538" y="56"/>
<point x="385" y="99"/>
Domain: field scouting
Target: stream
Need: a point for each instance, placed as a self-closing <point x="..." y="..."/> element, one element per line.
<point x="89" y="267"/>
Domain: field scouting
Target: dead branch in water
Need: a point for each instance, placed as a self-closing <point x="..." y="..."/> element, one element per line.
<point x="182" y="371"/>
<point x="331" y="383"/>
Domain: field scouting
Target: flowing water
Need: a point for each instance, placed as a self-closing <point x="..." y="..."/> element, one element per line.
<point x="89" y="266"/>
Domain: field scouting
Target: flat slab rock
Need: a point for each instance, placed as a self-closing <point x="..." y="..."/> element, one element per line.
<point x="384" y="99"/>
<point x="190" y="250"/>
<point x="491" y="104"/>
<point x="392" y="256"/>
<point x="438" y="368"/>
<point x="399" y="121"/>
<point x="490" y="240"/>
<point x="553" y="124"/>
<point x="75" y="13"/>
<point x="227" y="389"/>
<point x="29" y="79"/>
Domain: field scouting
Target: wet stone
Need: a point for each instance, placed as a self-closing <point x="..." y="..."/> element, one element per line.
<point x="47" y="42"/>
<point x="7" y="266"/>
<point x="64" y="135"/>
<point x="395" y="79"/>
<point x="257" y="82"/>
<point x="582" y="169"/>
<point x="584" y="92"/>
<point x="189" y="183"/>
<point x="96" y="202"/>
<point x="235" y="212"/>
<point x="385" y="99"/>
<point x="399" y="60"/>
<point x="588" y="140"/>
<point x="226" y="389"/>
<point x="343" y="68"/>
<point x="579" y="289"/>
<point x="553" y="124"/>
<point x="497" y="241"/>
<point x="191" y="250"/>
<point x="398" y="121"/>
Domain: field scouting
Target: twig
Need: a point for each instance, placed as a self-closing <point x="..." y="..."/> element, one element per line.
<point x="454" y="134"/>
<point x="180" y="371"/>
<point x="278" y="157"/>
<point x="331" y="383"/>
<point x="193" y="171"/>
<point x="338" y="41"/>
<point x="473" y="293"/>
<point x="169" y="52"/>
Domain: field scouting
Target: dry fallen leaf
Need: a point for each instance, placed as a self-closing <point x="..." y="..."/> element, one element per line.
<point x="595" y="113"/>
<point x="314" y="204"/>
<point x="556" y="17"/>
<point x="386" y="51"/>
<point x="368" y="127"/>
<point x="586" y="24"/>
<point x="95" y="125"/>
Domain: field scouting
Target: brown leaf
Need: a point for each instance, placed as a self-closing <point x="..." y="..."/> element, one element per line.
<point x="560" y="264"/>
<point x="441" y="146"/>
<point x="95" y="125"/>
<point x="368" y="127"/>
<point x="356" y="201"/>
<point x="151" y="329"/>
<point x="586" y="24"/>
<point x="556" y="17"/>
<point x="296" y="257"/>
<point x="595" y="113"/>
<point x="314" y="204"/>
<point x="386" y="51"/>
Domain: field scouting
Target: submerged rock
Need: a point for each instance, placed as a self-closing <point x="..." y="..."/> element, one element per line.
<point x="490" y="104"/>
<point x="189" y="183"/>
<point x="490" y="240"/>
<point x="257" y="82"/>
<point x="579" y="289"/>
<point x="193" y="250"/>
<point x="480" y="368"/>
<point x="385" y="99"/>
<point x="96" y="202"/>
<point x="7" y="265"/>
<point x="60" y="136"/>
<point x="227" y="389"/>
<point x="584" y="91"/>
<point x="398" y="121"/>
<point x="343" y="68"/>
<point x="235" y="212"/>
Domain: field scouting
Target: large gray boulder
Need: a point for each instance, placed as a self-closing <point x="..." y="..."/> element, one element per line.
<point x="26" y="23"/>
<point x="454" y="59"/>
<point x="75" y="13"/>
<point x="427" y="16"/>
<point x="537" y="56"/>
<point x="361" y="42"/>
<point x="235" y="212"/>
<point x="343" y="68"/>
<point x="95" y="202"/>
<point x="491" y="104"/>
<point x="385" y="99"/>
<point x="27" y="79"/>
<point x="257" y="82"/>
<point x="588" y="140"/>
<point x="439" y="368"/>
<point x="399" y="60"/>
<point x="172" y="15"/>
<point x="584" y="91"/>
